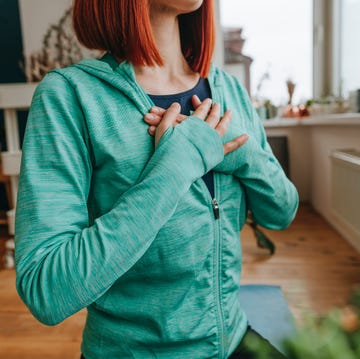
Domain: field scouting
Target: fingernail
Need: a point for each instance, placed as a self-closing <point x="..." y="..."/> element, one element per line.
<point x="155" y="109"/>
<point x="177" y="105"/>
<point x="149" y="116"/>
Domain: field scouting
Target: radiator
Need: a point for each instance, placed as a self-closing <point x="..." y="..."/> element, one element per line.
<point x="346" y="193"/>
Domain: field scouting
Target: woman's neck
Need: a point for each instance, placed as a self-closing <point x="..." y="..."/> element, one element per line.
<point x="175" y="75"/>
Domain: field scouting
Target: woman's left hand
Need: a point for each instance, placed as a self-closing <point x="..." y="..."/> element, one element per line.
<point x="154" y="117"/>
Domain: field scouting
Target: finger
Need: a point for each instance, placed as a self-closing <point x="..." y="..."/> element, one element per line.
<point x="157" y="110"/>
<point x="224" y="123"/>
<point x="180" y="118"/>
<point x="195" y="101"/>
<point x="152" y="130"/>
<point x="235" y="144"/>
<point x="203" y="109"/>
<point x="214" y="116"/>
<point x="152" y="119"/>
<point x="171" y="114"/>
<point x="168" y="120"/>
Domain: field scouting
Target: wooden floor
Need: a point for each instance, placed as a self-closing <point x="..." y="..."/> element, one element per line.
<point x="314" y="266"/>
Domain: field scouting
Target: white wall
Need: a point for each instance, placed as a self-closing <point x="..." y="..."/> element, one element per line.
<point x="36" y="16"/>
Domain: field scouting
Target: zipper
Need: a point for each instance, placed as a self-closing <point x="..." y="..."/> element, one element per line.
<point x="216" y="208"/>
<point x="217" y="268"/>
<point x="218" y="247"/>
<point x="217" y="97"/>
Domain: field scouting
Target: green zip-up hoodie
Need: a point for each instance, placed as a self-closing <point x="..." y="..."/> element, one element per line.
<point x="106" y="221"/>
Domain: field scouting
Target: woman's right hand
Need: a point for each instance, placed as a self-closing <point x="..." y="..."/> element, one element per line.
<point x="205" y="111"/>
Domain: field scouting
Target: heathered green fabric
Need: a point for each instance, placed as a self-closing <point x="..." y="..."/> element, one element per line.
<point x="107" y="222"/>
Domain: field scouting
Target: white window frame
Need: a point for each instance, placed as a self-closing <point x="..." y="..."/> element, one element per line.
<point x="327" y="32"/>
<point x="319" y="52"/>
<point x="337" y="46"/>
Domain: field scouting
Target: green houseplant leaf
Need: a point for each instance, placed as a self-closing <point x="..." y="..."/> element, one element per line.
<point x="263" y="241"/>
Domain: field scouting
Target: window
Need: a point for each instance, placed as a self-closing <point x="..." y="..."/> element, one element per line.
<point x="278" y="37"/>
<point x="349" y="12"/>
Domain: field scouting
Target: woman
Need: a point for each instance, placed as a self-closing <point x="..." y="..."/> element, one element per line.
<point x="142" y="230"/>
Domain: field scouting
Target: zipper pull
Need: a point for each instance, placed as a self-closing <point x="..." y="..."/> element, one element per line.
<point x="216" y="209"/>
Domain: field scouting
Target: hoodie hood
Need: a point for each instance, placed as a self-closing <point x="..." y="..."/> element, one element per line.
<point x="121" y="76"/>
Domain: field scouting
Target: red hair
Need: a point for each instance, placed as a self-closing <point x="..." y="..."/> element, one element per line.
<point x="123" y="28"/>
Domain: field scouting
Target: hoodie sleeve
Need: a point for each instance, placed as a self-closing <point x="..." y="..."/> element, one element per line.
<point x="270" y="195"/>
<point x="62" y="263"/>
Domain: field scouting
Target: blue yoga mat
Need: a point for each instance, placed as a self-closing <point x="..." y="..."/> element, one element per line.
<point x="268" y="312"/>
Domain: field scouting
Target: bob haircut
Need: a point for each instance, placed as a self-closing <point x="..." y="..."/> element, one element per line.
<point x="122" y="27"/>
